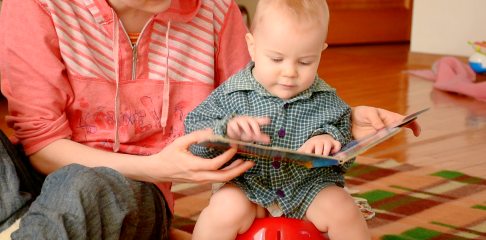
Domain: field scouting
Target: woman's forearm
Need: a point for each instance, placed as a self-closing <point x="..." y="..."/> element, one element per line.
<point x="173" y="163"/>
<point x="63" y="152"/>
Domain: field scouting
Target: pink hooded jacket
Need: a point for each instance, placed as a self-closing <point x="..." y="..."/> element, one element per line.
<point x="69" y="71"/>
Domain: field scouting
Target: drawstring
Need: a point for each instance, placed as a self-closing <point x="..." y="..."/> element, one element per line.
<point x="165" y="97"/>
<point x="116" y="46"/>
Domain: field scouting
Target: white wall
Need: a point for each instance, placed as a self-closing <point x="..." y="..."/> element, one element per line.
<point x="445" y="26"/>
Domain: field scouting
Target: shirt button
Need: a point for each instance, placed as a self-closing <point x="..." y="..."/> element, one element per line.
<point x="281" y="133"/>
<point x="280" y="193"/>
<point x="286" y="105"/>
<point x="276" y="164"/>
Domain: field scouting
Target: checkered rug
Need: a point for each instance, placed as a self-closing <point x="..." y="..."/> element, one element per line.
<point x="410" y="202"/>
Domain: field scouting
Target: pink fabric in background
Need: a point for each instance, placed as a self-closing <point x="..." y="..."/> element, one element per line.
<point x="452" y="75"/>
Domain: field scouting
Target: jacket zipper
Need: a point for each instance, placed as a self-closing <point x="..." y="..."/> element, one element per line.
<point x="134" y="60"/>
<point x="135" y="47"/>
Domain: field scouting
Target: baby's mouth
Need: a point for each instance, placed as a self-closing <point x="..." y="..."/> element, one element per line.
<point x="284" y="85"/>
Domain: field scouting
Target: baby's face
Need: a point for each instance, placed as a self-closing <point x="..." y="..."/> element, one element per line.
<point x="286" y="52"/>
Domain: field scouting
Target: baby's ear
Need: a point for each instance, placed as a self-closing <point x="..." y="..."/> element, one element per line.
<point x="250" y="43"/>
<point x="324" y="46"/>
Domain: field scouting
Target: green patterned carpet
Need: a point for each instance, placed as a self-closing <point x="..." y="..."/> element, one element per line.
<point x="421" y="203"/>
<point x="410" y="202"/>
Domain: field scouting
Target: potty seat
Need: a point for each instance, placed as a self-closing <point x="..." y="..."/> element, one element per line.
<point x="281" y="228"/>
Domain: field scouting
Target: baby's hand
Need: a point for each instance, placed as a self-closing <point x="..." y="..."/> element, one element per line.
<point x="321" y="145"/>
<point x="246" y="128"/>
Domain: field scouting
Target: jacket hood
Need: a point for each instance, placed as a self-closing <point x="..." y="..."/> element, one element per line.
<point x="179" y="11"/>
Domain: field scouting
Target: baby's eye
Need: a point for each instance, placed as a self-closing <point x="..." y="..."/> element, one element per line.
<point x="305" y="63"/>
<point x="277" y="59"/>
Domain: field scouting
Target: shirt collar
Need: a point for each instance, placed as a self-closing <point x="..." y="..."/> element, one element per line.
<point x="244" y="81"/>
<point x="179" y="11"/>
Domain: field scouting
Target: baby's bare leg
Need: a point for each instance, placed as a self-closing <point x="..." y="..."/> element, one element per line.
<point x="229" y="213"/>
<point x="334" y="211"/>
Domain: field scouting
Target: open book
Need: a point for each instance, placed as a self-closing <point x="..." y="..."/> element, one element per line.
<point x="349" y="151"/>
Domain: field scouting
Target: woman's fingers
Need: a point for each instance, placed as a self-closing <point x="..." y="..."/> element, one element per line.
<point x="202" y="170"/>
<point x="176" y="163"/>
<point x="218" y="161"/>
<point x="379" y="118"/>
<point x="239" y="163"/>
<point x="415" y="127"/>
<point x="208" y="170"/>
<point x="390" y="118"/>
<point x="235" y="169"/>
<point x="192" y="138"/>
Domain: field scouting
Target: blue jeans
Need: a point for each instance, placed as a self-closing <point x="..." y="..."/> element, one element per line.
<point x="77" y="202"/>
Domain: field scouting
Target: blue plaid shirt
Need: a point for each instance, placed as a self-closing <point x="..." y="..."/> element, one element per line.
<point x="317" y="110"/>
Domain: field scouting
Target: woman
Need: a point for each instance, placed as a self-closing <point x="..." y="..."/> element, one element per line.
<point x="97" y="92"/>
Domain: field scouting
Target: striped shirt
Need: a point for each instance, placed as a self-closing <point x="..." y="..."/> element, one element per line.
<point x="70" y="71"/>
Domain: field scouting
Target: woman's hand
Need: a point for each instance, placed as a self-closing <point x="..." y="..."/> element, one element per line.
<point x="176" y="163"/>
<point x="368" y="120"/>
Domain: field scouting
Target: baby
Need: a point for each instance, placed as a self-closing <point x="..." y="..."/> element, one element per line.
<point x="279" y="100"/>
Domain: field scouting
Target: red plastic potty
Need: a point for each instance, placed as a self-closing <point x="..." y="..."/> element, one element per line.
<point x="280" y="228"/>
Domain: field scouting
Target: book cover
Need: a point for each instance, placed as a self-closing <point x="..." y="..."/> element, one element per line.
<point x="349" y="151"/>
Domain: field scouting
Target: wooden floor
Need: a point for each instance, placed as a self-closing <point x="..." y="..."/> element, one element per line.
<point x="453" y="130"/>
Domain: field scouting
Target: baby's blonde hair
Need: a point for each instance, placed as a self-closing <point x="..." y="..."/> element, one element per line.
<point x="302" y="9"/>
